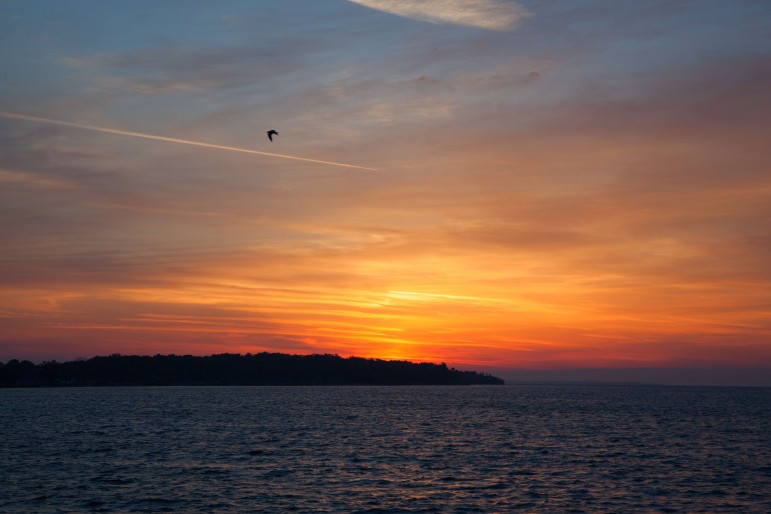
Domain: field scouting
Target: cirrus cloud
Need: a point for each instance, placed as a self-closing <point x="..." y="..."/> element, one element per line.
<point x="487" y="14"/>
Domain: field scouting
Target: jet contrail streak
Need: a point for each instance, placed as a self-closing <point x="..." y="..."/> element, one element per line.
<point x="171" y="139"/>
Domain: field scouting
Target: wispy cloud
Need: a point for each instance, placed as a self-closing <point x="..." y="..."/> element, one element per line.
<point x="31" y="179"/>
<point x="486" y="14"/>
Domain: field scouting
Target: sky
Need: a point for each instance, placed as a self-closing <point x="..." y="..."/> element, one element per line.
<point x="553" y="187"/>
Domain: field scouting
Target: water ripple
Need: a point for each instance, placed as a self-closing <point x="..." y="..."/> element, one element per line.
<point x="385" y="449"/>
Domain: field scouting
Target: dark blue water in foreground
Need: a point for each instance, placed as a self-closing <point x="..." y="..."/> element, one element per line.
<point x="385" y="449"/>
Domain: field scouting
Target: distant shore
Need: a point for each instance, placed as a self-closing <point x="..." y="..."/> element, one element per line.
<point x="233" y="369"/>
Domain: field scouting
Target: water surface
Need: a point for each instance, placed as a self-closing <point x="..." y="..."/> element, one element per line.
<point x="385" y="449"/>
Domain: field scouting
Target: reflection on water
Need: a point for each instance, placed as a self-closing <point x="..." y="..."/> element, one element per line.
<point x="385" y="449"/>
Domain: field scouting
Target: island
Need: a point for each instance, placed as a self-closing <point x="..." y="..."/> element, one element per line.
<point x="234" y="369"/>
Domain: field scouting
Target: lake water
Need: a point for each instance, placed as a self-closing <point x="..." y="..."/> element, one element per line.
<point x="386" y="449"/>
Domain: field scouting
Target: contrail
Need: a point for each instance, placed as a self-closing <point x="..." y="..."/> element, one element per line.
<point x="171" y="139"/>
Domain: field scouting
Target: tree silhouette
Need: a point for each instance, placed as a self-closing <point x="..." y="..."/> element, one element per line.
<point x="233" y="369"/>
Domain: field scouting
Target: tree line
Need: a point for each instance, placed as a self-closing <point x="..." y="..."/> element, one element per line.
<point x="233" y="369"/>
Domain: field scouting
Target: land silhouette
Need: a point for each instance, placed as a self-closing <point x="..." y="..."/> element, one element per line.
<point x="233" y="369"/>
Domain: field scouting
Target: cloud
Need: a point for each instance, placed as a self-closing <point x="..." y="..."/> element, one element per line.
<point x="486" y="14"/>
<point x="24" y="179"/>
<point x="173" y="70"/>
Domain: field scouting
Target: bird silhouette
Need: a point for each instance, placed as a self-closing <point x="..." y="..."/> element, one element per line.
<point x="271" y="133"/>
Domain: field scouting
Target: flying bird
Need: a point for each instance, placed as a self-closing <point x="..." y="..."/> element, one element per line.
<point x="272" y="133"/>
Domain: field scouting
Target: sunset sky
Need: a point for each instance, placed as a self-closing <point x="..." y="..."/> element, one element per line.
<point x="557" y="185"/>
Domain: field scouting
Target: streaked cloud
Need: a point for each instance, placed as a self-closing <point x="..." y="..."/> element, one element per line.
<point x="31" y="179"/>
<point x="486" y="14"/>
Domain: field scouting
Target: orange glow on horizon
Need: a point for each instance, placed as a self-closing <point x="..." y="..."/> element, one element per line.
<point x="492" y="319"/>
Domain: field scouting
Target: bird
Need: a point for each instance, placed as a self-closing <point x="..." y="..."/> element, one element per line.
<point x="271" y="133"/>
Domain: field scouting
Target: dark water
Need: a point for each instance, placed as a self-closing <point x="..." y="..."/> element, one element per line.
<point x="386" y="449"/>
